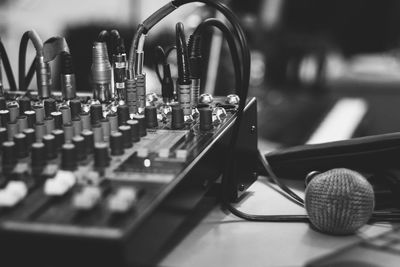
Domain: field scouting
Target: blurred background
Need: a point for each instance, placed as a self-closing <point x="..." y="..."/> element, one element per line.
<point x="309" y="57"/>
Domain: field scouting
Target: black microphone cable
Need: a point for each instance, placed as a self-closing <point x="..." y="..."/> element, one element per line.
<point x="195" y="44"/>
<point x="38" y="44"/>
<point x="167" y="84"/>
<point x="7" y="67"/>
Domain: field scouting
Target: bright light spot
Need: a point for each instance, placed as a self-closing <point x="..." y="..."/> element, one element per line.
<point x="147" y="163"/>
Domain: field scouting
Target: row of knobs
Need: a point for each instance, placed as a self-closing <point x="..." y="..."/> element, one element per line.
<point x="76" y="133"/>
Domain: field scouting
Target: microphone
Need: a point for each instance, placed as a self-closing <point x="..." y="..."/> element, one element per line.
<point x="339" y="201"/>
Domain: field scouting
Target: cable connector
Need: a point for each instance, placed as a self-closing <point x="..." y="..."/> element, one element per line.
<point x="43" y="77"/>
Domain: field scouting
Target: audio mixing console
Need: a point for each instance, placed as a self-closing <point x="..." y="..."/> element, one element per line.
<point x="83" y="184"/>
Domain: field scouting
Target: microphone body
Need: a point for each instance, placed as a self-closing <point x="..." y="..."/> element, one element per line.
<point x="339" y="201"/>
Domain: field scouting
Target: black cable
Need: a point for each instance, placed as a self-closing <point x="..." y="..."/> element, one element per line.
<point x="182" y="55"/>
<point x="23" y="46"/>
<point x="228" y="34"/>
<point x="103" y="36"/>
<point x="31" y="72"/>
<point x="168" y="52"/>
<point x="159" y="56"/>
<point x="7" y="67"/>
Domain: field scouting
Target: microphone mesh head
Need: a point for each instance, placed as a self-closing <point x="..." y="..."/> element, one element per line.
<point x="339" y="201"/>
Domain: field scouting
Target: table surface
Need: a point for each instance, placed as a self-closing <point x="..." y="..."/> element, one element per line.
<point x="221" y="239"/>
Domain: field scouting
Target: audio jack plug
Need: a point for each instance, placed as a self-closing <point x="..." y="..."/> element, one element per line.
<point x="68" y="83"/>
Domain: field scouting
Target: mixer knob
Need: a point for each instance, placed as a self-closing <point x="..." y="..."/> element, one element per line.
<point x="62" y="182"/>
<point x="80" y="148"/>
<point x="205" y="119"/>
<point x="24" y="104"/>
<point x="14" y="111"/>
<point x="3" y="135"/>
<point x="150" y="114"/>
<point x="135" y="131"/>
<point x="31" y="118"/>
<point x="89" y="141"/>
<point x="38" y="155"/>
<point x="57" y="116"/>
<point x="76" y="108"/>
<point x="68" y="157"/>
<point x="96" y="113"/>
<point x="21" y="145"/>
<point x="66" y="114"/>
<point x="30" y="136"/>
<point x="101" y="157"/>
<point x="49" y="142"/>
<point x="87" y="198"/>
<point x="232" y="99"/>
<point x="126" y="135"/>
<point x="177" y="119"/>
<point x="3" y="104"/>
<point x="49" y="106"/>
<point x="4" y="117"/>
<point x="59" y="138"/>
<point x="13" y="193"/>
<point x="205" y="99"/>
<point x="40" y="114"/>
<point x="9" y="154"/>
<point x="116" y="144"/>
<point x="40" y="131"/>
<point x="123" y="114"/>
<point x="142" y="124"/>
<point x="123" y="200"/>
